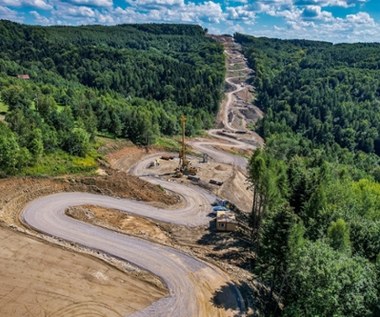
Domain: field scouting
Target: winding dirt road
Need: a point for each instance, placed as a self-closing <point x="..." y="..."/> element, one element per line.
<point x="179" y="271"/>
<point x="208" y="147"/>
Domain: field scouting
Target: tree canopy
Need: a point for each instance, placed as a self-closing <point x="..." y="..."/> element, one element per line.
<point x="128" y="81"/>
<point x="316" y="181"/>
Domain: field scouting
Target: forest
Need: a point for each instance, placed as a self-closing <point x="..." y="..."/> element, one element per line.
<point x="316" y="216"/>
<point x="127" y="81"/>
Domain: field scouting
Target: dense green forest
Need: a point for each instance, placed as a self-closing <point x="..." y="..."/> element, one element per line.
<point x="316" y="213"/>
<point x="131" y="81"/>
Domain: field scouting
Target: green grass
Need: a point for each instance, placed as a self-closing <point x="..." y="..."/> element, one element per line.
<point x="3" y="108"/>
<point x="106" y="135"/>
<point x="167" y="144"/>
<point x="61" y="163"/>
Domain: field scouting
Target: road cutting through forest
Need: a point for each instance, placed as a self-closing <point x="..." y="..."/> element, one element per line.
<point x="183" y="274"/>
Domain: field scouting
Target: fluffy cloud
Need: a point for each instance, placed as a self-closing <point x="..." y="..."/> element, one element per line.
<point x="6" y="13"/>
<point x="353" y="28"/>
<point x="177" y="11"/>
<point x="240" y="13"/>
<point x="93" y="3"/>
<point x="326" y="3"/>
<point x="38" y="4"/>
<point x="149" y="3"/>
<point x="315" y="12"/>
<point x="361" y="18"/>
<point x="40" y="19"/>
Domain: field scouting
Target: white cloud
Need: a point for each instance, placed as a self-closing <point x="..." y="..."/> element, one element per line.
<point x="38" y="4"/>
<point x="357" y="27"/>
<point x="40" y="19"/>
<point x="149" y="3"/>
<point x="361" y="18"/>
<point x="177" y="11"/>
<point x="241" y="13"/>
<point x="315" y="13"/>
<point x="93" y="3"/>
<point x="6" y="13"/>
<point x="77" y="12"/>
<point x="330" y="3"/>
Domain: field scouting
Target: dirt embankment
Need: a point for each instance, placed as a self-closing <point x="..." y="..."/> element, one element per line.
<point x="17" y="192"/>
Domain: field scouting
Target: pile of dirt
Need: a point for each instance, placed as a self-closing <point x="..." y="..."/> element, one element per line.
<point x="120" y="184"/>
<point x="120" y="221"/>
<point x="220" y="168"/>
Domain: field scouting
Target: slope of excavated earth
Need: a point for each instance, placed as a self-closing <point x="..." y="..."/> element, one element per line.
<point x="16" y="192"/>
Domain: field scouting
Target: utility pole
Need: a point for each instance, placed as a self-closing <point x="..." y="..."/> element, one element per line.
<point x="182" y="152"/>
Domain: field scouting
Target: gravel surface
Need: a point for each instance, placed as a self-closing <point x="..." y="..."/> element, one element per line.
<point x="177" y="270"/>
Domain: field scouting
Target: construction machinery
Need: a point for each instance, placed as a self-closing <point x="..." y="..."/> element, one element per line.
<point x="184" y="167"/>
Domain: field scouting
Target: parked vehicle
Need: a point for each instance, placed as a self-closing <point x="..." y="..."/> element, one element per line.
<point x="219" y="208"/>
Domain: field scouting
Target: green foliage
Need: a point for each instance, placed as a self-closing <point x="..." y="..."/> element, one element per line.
<point x="167" y="144"/>
<point x="161" y="62"/>
<point x="269" y="182"/>
<point x="12" y="156"/>
<point x="338" y="235"/>
<point x="61" y="163"/>
<point x="77" y="142"/>
<point x="273" y="250"/>
<point x="132" y="81"/>
<point x="322" y="125"/>
<point x="3" y="107"/>
<point x="328" y="283"/>
<point x="326" y="93"/>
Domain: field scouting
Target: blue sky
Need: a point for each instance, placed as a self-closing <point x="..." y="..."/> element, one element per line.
<point x="329" y="20"/>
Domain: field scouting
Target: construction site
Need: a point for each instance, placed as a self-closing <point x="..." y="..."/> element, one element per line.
<point x="155" y="233"/>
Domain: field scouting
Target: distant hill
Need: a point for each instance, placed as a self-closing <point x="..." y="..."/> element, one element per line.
<point x="130" y="81"/>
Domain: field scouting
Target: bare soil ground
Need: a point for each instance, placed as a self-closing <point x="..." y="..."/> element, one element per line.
<point x="120" y="221"/>
<point x="234" y="188"/>
<point x="225" y="250"/>
<point x="123" y="158"/>
<point x="38" y="279"/>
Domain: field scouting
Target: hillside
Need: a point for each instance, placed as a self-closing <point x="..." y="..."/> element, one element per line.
<point x="130" y="81"/>
<point x="328" y="94"/>
<point x="315" y="218"/>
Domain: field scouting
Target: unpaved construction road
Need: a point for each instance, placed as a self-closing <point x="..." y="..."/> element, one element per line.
<point x="179" y="271"/>
<point x="183" y="274"/>
<point x="229" y="135"/>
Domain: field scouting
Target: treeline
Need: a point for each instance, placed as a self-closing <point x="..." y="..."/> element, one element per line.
<point x="129" y="81"/>
<point x="316" y="216"/>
